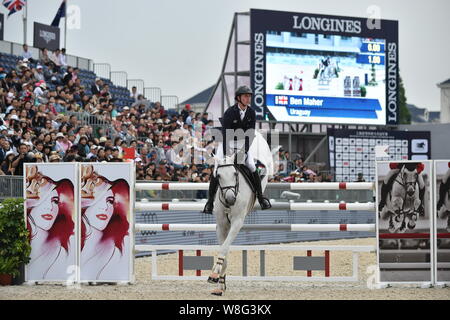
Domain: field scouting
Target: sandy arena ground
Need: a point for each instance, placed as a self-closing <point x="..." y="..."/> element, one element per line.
<point x="277" y="263"/>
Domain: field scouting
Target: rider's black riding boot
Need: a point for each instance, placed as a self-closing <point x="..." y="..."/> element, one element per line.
<point x="213" y="184"/>
<point x="263" y="202"/>
<point x="383" y="196"/>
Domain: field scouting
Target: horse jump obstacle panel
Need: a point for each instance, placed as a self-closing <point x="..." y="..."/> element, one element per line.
<point x="307" y="263"/>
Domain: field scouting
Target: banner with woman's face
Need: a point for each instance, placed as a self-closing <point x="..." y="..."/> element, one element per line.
<point x="106" y="203"/>
<point x="51" y="218"/>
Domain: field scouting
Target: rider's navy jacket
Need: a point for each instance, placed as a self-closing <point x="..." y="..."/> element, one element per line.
<point x="232" y="120"/>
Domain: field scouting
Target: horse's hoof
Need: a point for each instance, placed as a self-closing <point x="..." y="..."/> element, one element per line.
<point x="217" y="292"/>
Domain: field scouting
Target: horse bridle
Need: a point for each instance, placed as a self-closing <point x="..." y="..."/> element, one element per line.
<point x="406" y="184"/>
<point x="234" y="189"/>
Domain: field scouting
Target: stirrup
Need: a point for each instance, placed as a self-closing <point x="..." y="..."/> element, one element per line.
<point x="264" y="203"/>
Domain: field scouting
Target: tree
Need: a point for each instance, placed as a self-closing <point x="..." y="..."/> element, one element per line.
<point x="405" y="115"/>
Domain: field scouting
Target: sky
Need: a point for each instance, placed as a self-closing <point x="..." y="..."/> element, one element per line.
<point x="179" y="45"/>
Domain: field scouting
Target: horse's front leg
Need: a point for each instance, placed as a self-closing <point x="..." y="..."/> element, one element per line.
<point x="223" y="228"/>
<point x="236" y="225"/>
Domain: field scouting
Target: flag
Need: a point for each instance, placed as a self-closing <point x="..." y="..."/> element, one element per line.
<point x="60" y="14"/>
<point x="281" y="100"/>
<point x="14" y="5"/>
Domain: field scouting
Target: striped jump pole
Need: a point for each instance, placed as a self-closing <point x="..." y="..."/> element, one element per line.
<point x="259" y="227"/>
<point x="296" y="206"/>
<point x="141" y="186"/>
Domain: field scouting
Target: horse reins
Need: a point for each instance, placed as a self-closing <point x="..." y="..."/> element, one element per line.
<point x="234" y="189"/>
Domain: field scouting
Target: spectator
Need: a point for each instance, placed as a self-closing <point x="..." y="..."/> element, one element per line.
<point x="7" y="166"/>
<point x="62" y="58"/>
<point x="26" y="54"/>
<point x="189" y="118"/>
<point x="185" y="112"/>
<point x="97" y="86"/>
<point x="62" y="144"/>
<point x="134" y="94"/>
<point x="39" y="73"/>
<point x="21" y="158"/>
<point x="45" y="59"/>
<point x="54" y="58"/>
<point x="360" y="178"/>
<point x="83" y="148"/>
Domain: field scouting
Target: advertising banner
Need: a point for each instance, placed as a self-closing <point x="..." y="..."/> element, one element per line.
<point x="51" y="218"/>
<point x="45" y="37"/>
<point x="106" y="220"/>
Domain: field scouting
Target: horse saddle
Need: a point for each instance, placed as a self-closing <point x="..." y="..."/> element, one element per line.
<point x="248" y="175"/>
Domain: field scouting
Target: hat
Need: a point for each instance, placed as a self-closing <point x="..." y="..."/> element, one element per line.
<point x="14" y="117"/>
<point x="188" y="106"/>
<point x="59" y="135"/>
<point x="138" y="160"/>
<point x="126" y="108"/>
<point x="8" y="153"/>
<point x="54" y="157"/>
<point x="103" y="139"/>
<point x="39" y="67"/>
<point x="93" y="147"/>
<point x="243" y="90"/>
<point x="38" y="155"/>
<point x="97" y="79"/>
<point x="159" y="121"/>
<point x="43" y="85"/>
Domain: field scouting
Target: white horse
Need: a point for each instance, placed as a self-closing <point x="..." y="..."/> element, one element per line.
<point x="233" y="201"/>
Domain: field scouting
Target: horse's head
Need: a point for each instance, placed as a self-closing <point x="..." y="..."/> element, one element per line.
<point x="409" y="177"/>
<point x="228" y="178"/>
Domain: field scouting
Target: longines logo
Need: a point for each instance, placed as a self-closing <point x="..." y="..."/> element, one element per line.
<point x="327" y="24"/>
<point x="47" y="36"/>
<point x="258" y="72"/>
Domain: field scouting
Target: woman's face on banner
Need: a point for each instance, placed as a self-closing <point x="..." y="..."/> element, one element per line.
<point x="46" y="211"/>
<point x="99" y="213"/>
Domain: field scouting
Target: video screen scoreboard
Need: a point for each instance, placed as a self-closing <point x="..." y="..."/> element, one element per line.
<point x="324" y="69"/>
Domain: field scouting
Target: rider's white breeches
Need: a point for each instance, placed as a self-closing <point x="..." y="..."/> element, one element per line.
<point x="249" y="160"/>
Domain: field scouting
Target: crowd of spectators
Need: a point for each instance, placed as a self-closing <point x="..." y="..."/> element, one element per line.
<point x="43" y="102"/>
<point x="295" y="170"/>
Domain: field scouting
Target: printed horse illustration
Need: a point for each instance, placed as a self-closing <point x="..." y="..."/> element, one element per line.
<point x="404" y="202"/>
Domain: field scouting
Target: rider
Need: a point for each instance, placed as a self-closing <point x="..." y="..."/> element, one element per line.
<point x="239" y="116"/>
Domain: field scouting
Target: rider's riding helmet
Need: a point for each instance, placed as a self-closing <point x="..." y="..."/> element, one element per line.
<point x="242" y="90"/>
